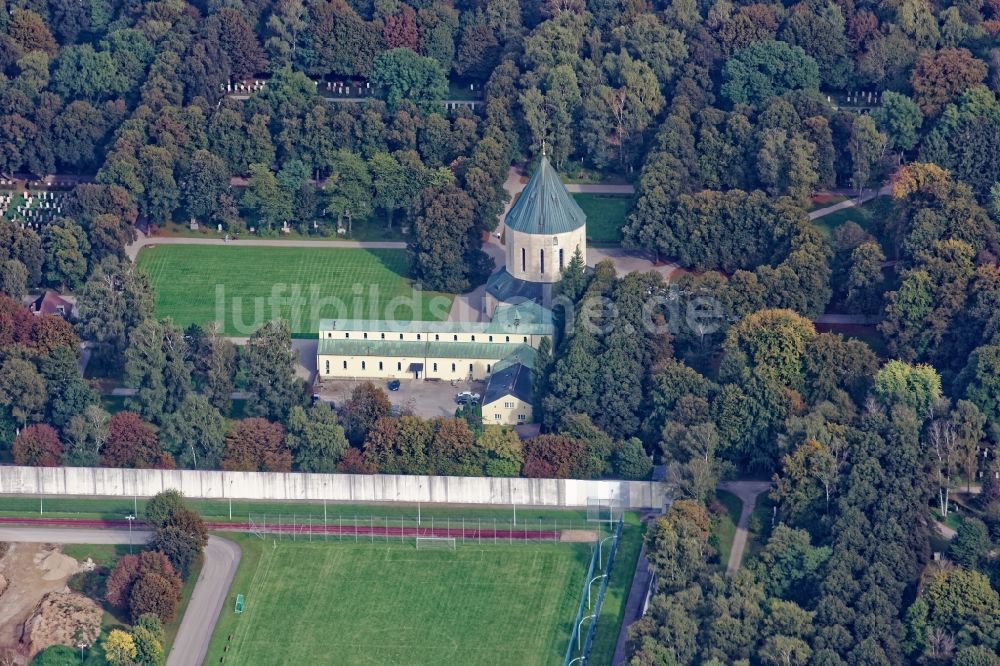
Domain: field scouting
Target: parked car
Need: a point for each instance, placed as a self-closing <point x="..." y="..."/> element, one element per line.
<point x="467" y="397"/>
<point x="394" y="385"/>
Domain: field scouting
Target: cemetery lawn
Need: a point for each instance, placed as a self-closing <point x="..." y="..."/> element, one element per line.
<point x="233" y="284"/>
<point x="388" y="603"/>
<point x="606" y="215"/>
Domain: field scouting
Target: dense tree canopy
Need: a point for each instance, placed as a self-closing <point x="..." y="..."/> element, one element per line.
<point x="737" y="124"/>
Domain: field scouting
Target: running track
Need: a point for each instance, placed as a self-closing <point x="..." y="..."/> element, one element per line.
<point x="347" y="527"/>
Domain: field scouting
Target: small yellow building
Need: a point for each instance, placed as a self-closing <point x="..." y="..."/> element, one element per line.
<point x="509" y="394"/>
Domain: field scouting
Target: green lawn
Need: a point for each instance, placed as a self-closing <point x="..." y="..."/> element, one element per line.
<point x="724" y="526"/>
<point x="201" y="284"/>
<point x="869" y="216"/>
<point x="108" y="508"/>
<point x="605" y="215"/>
<point x="382" y="603"/>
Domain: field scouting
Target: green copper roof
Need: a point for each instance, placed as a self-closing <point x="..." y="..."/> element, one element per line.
<point x="545" y="207"/>
<point x="521" y="319"/>
<point x="420" y="349"/>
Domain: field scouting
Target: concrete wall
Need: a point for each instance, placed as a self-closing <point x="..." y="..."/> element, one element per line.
<point x="533" y="246"/>
<point x="99" y="481"/>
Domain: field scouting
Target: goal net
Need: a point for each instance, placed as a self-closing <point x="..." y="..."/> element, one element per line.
<point x="438" y="543"/>
<point x="604" y="510"/>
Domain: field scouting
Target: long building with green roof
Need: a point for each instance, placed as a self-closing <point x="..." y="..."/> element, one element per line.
<point x="543" y="230"/>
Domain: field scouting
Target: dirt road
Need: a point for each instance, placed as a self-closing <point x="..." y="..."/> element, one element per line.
<point x="209" y="596"/>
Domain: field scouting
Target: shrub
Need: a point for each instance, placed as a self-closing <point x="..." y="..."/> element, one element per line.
<point x="57" y="655"/>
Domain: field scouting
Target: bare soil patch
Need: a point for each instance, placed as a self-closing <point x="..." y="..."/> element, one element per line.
<point x="37" y="609"/>
<point x="578" y="536"/>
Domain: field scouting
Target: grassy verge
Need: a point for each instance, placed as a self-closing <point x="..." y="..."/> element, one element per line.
<point x="724" y="525"/>
<point x="115" y="508"/>
<point x="759" y="529"/>
<point x="613" y="612"/>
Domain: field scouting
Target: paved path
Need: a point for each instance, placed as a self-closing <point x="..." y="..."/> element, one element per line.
<point x="747" y="491"/>
<point x="847" y="319"/>
<point x="944" y="530"/>
<point x="142" y="240"/>
<point x="222" y="557"/>
<point x="883" y="191"/>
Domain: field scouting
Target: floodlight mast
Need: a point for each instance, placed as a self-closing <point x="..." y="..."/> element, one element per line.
<point x="130" y="517"/>
<point x="579" y="628"/>
<point x="604" y="575"/>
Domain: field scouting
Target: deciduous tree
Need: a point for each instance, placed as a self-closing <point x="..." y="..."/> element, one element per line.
<point x="941" y="76"/>
<point x="367" y="404"/>
<point x="552" y="457"/>
<point x="316" y="439"/>
<point x="38" y="446"/>
<point x="402" y="74"/>
<point x="131" y="442"/>
<point x="256" y="444"/>
<point x="195" y="433"/>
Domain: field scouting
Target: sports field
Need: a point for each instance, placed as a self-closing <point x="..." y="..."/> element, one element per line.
<point x="244" y="287"/>
<point x="347" y="603"/>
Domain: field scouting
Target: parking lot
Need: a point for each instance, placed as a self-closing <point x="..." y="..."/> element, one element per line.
<point x="417" y="396"/>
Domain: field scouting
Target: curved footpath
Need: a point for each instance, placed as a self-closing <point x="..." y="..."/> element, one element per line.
<point x="210" y="593"/>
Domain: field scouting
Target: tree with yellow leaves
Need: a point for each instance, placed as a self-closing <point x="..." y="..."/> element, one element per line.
<point x="119" y="648"/>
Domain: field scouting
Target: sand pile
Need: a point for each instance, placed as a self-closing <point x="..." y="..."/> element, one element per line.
<point x="54" y="565"/>
<point x="62" y="618"/>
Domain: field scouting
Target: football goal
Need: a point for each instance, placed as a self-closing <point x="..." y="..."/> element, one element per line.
<point x="438" y="543"/>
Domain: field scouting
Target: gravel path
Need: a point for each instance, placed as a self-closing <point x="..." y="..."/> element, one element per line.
<point x="883" y="191"/>
<point x="747" y="491"/>
<point x="143" y="240"/>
